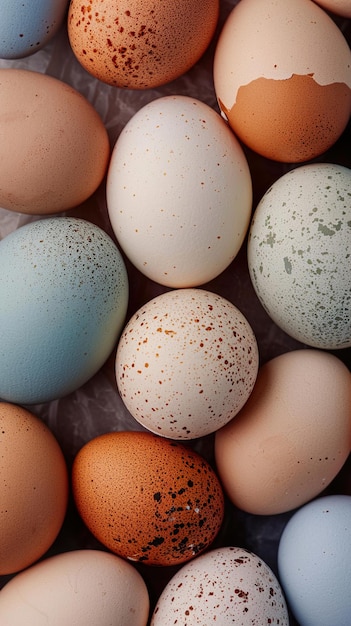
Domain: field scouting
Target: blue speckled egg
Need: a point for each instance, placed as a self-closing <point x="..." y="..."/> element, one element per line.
<point x="63" y="301"/>
<point x="26" y="26"/>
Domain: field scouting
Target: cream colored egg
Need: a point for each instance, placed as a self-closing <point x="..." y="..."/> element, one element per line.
<point x="81" y="587"/>
<point x="282" y="75"/>
<point x="226" y="586"/>
<point x="179" y="192"/>
<point x="299" y="251"/>
<point x="291" y="438"/>
<point x="186" y="363"/>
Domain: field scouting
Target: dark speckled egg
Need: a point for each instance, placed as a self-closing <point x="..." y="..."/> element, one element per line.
<point x="147" y="498"/>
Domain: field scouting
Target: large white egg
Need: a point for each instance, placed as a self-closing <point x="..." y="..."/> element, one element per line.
<point x="186" y="363"/>
<point x="63" y="301"/>
<point x="299" y="253"/>
<point x="179" y="192"/>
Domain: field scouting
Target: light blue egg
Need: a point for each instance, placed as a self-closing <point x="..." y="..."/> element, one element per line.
<point x="26" y="26"/>
<point x="63" y="301"/>
<point x="314" y="562"/>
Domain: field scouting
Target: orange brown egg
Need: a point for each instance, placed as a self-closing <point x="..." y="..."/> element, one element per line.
<point x="146" y="498"/>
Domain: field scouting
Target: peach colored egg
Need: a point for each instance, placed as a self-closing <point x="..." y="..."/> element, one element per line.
<point x="186" y="363"/>
<point x="339" y="7"/>
<point x="146" y="498"/>
<point x="54" y="148"/>
<point x="293" y="435"/>
<point x="140" y="44"/>
<point x="34" y="488"/>
<point x="282" y="75"/>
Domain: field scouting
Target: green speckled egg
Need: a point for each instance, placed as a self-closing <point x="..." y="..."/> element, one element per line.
<point x="299" y="254"/>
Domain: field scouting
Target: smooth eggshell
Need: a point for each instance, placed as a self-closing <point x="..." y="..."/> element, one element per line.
<point x="146" y="498"/>
<point x="34" y="488"/>
<point x="339" y="7"/>
<point x="179" y="192"/>
<point x="63" y="301"/>
<point x="299" y="249"/>
<point x="314" y="562"/>
<point x="224" y="586"/>
<point x="293" y="435"/>
<point x="54" y="148"/>
<point x="282" y="76"/>
<point x="81" y="587"/>
<point x="140" y="44"/>
<point x="186" y="363"/>
<point x="26" y="27"/>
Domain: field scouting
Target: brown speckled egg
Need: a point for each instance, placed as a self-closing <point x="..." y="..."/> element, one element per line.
<point x="282" y="74"/>
<point x="140" y="44"/>
<point x="146" y="498"/>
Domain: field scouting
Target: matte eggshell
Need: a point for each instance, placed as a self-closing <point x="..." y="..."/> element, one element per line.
<point x="186" y="363"/>
<point x="224" y="586"/>
<point x="33" y="489"/>
<point x="291" y="438"/>
<point x="314" y="562"/>
<point x="27" y="26"/>
<point x="299" y="249"/>
<point x="179" y="192"/>
<point x="146" y="498"/>
<point x="63" y="301"/>
<point x="282" y="76"/>
<point x="80" y="588"/>
<point x="54" y="148"/>
<point x="140" y="44"/>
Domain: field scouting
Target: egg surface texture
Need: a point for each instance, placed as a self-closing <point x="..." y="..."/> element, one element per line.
<point x="179" y="192"/>
<point x="293" y="435"/>
<point x="186" y="363"/>
<point x="314" y="562"/>
<point x="282" y="76"/>
<point x="81" y="587"/>
<point x="224" y="586"/>
<point x="26" y="26"/>
<point x="63" y="300"/>
<point x="54" y="148"/>
<point x="339" y="7"/>
<point x="34" y="488"/>
<point x="299" y="251"/>
<point x="140" y="44"/>
<point x="146" y="498"/>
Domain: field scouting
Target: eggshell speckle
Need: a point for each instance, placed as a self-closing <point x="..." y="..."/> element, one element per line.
<point x="314" y="562"/>
<point x="140" y="44"/>
<point x="33" y="488"/>
<point x="282" y="73"/>
<point x="293" y="435"/>
<point x="26" y="27"/>
<point x="225" y="586"/>
<point x="299" y="251"/>
<point x="186" y="363"/>
<point x="182" y="219"/>
<point x="63" y="301"/>
<point x="80" y="588"/>
<point x="54" y="148"/>
<point x="146" y="498"/>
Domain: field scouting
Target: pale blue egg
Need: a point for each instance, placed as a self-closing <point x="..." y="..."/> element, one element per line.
<point x="27" y="26"/>
<point x="63" y="301"/>
<point x="314" y="562"/>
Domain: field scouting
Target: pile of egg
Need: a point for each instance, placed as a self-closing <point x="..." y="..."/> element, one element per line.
<point x="175" y="312"/>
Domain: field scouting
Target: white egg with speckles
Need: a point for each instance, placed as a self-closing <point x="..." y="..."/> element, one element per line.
<point x="299" y="254"/>
<point x="224" y="586"/>
<point x="186" y="363"/>
<point x="179" y="192"/>
<point x="63" y="301"/>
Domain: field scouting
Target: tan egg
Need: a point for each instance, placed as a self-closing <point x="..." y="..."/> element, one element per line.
<point x="33" y="488"/>
<point x="146" y="498"/>
<point x="282" y="75"/>
<point x="291" y="438"/>
<point x="54" y="148"/>
<point x="140" y="44"/>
